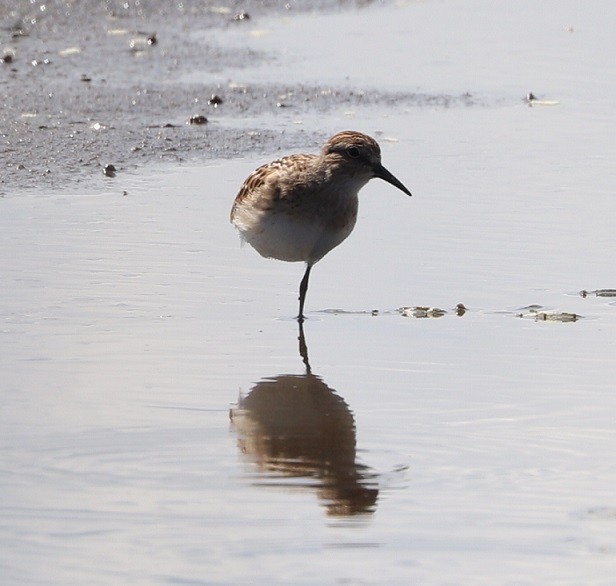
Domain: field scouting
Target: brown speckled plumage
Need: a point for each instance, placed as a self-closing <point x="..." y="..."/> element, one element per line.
<point x="299" y="207"/>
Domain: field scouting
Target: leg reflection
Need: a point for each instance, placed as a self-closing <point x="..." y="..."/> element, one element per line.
<point x="303" y="348"/>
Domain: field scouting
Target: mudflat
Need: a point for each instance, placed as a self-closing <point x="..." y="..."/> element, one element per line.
<point x="103" y="87"/>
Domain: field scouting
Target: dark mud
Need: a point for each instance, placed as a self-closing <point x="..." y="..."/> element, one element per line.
<point x="86" y="85"/>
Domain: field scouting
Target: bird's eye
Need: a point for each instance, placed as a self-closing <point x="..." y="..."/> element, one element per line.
<point x="353" y="152"/>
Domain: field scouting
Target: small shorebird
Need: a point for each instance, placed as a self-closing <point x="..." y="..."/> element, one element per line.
<point x="301" y="206"/>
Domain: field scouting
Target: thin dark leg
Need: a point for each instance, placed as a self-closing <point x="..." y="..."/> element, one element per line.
<point x="303" y="287"/>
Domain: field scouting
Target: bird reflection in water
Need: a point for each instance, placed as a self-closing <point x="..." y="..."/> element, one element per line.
<point x="296" y="427"/>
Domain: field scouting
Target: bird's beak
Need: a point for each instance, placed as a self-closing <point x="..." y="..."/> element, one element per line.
<point x="382" y="173"/>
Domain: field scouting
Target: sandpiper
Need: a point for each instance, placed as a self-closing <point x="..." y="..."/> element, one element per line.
<point x="301" y="206"/>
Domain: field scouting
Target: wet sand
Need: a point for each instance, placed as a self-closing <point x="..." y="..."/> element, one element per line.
<point x="85" y="86"/>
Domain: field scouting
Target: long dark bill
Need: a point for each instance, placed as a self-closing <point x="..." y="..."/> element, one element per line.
<point x="382" y="173"/>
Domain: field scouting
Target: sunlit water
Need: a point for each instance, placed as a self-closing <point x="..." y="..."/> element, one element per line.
<point x="162" y="423"/>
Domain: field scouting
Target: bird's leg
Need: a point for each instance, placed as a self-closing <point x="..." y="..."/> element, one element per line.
<point x="303" y="287"/>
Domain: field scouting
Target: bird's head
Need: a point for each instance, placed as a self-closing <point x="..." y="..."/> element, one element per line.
<point x="358" y="154"/>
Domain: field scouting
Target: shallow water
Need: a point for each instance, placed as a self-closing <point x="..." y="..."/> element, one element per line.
<point x="460" y="449"/>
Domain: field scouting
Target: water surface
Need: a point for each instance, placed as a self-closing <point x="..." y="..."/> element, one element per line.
<point x="384" y="449"/>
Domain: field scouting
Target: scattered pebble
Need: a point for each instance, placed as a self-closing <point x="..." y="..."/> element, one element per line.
<point x="109" y="171"/>
<point x="215" y="100"/>
<point x="197" y="119"/>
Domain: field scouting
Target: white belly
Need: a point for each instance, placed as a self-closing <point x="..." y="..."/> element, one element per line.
<point x="280" y="236"/>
